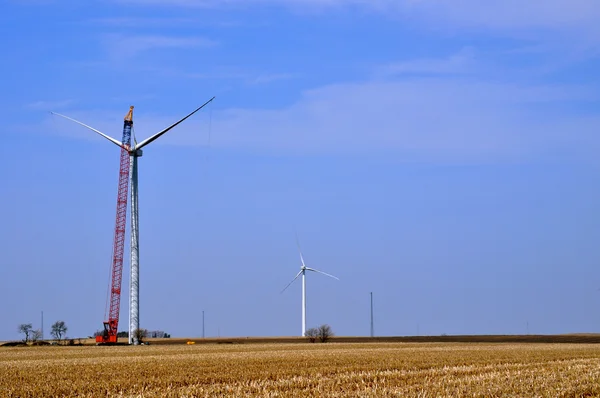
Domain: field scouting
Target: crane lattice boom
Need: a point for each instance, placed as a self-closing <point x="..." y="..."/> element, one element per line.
<point x="111" y="325"/>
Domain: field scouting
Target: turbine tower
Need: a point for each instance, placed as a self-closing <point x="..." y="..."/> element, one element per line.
<point x="135" y="151"/>
<point x="303" y="269"/>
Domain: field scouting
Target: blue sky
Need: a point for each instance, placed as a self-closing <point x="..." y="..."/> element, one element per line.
<point x="442" y="155"/>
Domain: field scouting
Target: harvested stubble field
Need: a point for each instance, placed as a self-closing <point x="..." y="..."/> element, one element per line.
<point x="277" y="370"/>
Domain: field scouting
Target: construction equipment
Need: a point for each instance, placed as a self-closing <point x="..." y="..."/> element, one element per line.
<point x="109" y="334"/>
<point x="128" y="172"/>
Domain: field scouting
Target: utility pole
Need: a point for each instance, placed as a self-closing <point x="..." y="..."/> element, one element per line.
<point x="42" y="325"/>
<point x="202" y="323"/>
<point x="372" y="328"/>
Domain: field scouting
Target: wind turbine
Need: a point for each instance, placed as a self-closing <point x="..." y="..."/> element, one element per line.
<point x="303" y="269"/>
<point x="135" y="151"/>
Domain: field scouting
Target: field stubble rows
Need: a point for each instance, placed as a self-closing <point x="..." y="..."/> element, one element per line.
<point x="277" y="370"/>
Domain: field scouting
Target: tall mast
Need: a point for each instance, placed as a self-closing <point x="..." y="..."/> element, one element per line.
<point x="134" y="281"/>
<point x="372" y="328"/>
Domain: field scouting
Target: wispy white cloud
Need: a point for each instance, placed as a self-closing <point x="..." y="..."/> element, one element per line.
<point x="131" y="45"/>
<point x="225" y="72"/>
<point x="459" y="63"/>
<point x="512" y="13"/>
<point x="49" y="105"/>
<point x="433" y="119"/>
<point x="425" y="118"/>
<point x="269" y="78"/>
<point x="137" y="22"/>
<point x="148" y="22"/>
<point x="223" y="75"/>
<point x="508" y="16"/>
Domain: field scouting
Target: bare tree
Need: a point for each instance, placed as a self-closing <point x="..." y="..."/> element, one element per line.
<point x="36" y="335"/>
<point x="140" y="335"/>
<point x="312" y="334"/>
<point x="26" y="329"/>
<point x="59" y="330"/>
<point x="325" y="333"/>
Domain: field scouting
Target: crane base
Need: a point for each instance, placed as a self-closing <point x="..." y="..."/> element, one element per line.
<point x="106" y="339"/>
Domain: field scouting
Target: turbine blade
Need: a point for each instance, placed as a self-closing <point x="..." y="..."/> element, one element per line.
<point x="321" y="272"/>
<point x="288" y="285"/>
<point x="155" y="136"/>
<point x="299" y="250"/>
<point x="119" y="144"/>
<point x="134" y="139"/>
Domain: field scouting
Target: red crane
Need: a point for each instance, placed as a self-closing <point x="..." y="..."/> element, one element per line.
<point x="109" y="335"/>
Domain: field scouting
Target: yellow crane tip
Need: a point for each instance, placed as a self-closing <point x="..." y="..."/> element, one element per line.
<point x="129" y="116"/>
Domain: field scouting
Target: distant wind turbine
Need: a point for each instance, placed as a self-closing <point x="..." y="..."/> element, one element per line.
<point x="303" y="269"/>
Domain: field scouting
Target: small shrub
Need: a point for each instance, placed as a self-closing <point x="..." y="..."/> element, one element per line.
<point x="312" y="334"/>
<point x="325" y="333"/>
<point x="140" y="335"/>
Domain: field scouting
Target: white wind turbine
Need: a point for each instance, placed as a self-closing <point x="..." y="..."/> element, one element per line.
<point x="135" y="152"/>
<point x="303" y="269"/>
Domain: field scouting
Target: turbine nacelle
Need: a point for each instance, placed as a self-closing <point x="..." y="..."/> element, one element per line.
<point x="135" y="150"/>
<point x="304" y="268"/>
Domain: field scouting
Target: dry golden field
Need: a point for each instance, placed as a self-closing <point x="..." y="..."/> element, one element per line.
<point x="301" y="370"/>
